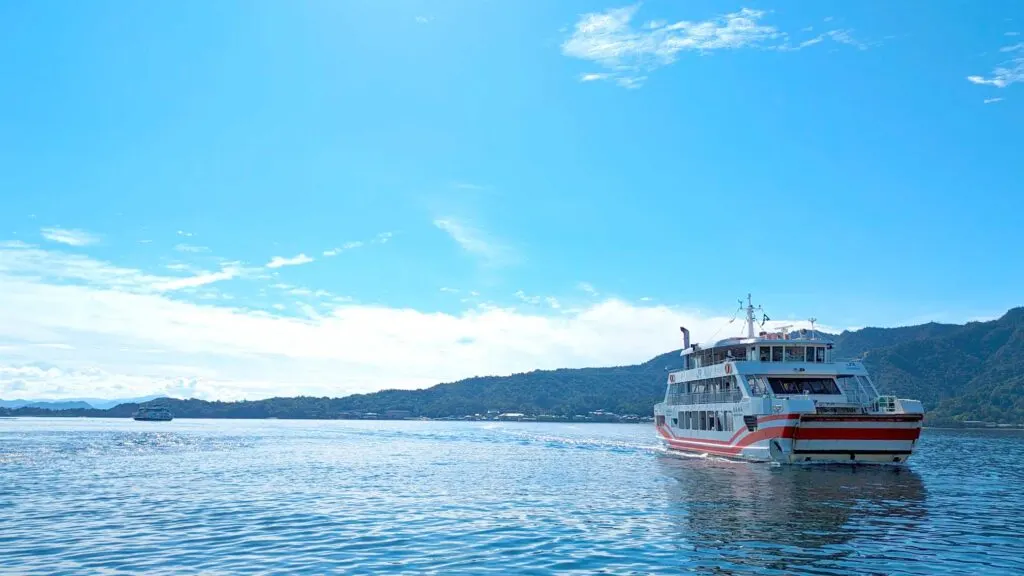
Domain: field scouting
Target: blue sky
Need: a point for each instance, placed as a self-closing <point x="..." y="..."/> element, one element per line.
<point x="246" y="199"/>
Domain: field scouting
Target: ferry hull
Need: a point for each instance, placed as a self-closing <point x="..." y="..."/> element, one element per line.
<point x="811" y="439"/>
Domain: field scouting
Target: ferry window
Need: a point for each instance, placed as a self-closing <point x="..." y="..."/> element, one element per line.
<point x="810" y="354"/>
<point x="819" y="353"/>
<point x="728" y="421"/>
<point x="675" y="422"/>
<point x="693" y="420"/>
<point x="802" y="385"/>
<point x="682" y="419"/>
<point x="766" y="353"/>
<point x="719" y="425"/>
<point x="794" y="353"/>
<point x="776" y="353"/>
<point x="702" y="418"/>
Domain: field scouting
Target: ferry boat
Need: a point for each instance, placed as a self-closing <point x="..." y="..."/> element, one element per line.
<point x="782" y="397"/>
<point x="153" y="414"/>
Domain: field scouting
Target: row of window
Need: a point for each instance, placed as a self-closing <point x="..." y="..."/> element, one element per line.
<point x="705" y="386"/>
<point x="704" y="420"/>
<point x="792" y="353"/>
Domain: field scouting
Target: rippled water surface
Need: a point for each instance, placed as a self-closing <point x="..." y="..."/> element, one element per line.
<point x="219" y="496"/>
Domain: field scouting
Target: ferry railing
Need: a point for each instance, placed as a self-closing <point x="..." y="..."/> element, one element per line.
<point x="706" y="397"/>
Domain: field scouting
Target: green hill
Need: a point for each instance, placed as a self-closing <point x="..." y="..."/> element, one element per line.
<point x="969" y="372"/>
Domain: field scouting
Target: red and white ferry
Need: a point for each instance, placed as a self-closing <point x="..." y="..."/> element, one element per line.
<point x="781" y="397"/>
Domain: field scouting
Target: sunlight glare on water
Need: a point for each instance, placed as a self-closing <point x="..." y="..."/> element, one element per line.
<point x="220" y="496"/>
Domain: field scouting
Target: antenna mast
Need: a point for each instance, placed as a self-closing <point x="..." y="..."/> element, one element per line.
<point x="813" y="333"/>
<point x="750" y="317"/>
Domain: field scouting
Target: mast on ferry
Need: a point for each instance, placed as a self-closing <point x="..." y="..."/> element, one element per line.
<point x="750" y="315"/>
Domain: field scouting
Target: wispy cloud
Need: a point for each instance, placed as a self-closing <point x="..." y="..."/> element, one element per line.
<point x="992" y="100"/>
<point x="1012" y="34"/>
<point x="588" y="288"/>
<point x="279" y="261"/>
<point x="184" y="233"/>
<point x="381" y="238"/>
<point x="343" y="248"/>
<point x="1007" y="73"/>
<point x="527" y="299"/>
<point x="627" y="52"/>
<point x="468" y="186"/>
<point x="197" y="280"/>
<point x="424" y="19"/>
<point x="450" y="290"/>
<point x="71" y="237"/>
<point x="191" y="248"/>
<point x="474" y="241"/>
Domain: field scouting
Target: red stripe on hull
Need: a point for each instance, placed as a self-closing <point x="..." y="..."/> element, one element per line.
<point x="734" y="447"/>
<point x="911" y="418"/>
<point x="857" y="434"/>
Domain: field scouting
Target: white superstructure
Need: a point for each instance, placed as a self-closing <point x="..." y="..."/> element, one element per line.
<point x="782" y="397"/>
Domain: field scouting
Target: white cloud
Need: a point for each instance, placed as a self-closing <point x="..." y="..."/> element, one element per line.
<point x="527" y="299"/>
<point x="279" y="261"/>
<point x="475" y="241"/>
<point x="424" y="19"/>
<point x="588" y="288"/>
<point x="71" y="237"/>
<point x="197" y="280"/>
<point x="383" y="237"/>
<point x="184" y="233"/>
<point x="1006" y="73"/>
<point x="610" y="40"/>
<point x="74" y="326"/>
<point x="628" y="53"/>
<point x="845" y="37"/>
<point x="553" y="302"/>
<point x="191" y="248"/>
<point x="1012" y="34"/>
<point x="88" y="340"/>
<point x="355" y="244"/>
<point x="992" y="100"/>
<point x="449" y="290"/>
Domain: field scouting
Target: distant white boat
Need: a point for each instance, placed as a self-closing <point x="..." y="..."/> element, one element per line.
<point x="153" y="414"/>
<point x="780" y="397"/>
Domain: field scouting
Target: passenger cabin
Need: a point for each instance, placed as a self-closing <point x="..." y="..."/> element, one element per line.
<point x="762" y="349"/>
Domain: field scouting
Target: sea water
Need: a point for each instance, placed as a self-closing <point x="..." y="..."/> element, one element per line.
<point x="89" y="496"/>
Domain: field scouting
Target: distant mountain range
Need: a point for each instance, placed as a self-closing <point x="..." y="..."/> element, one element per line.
<point x="73" y="403"/>
<point x="961" y="372"/>
<point x="45" y="404"/>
